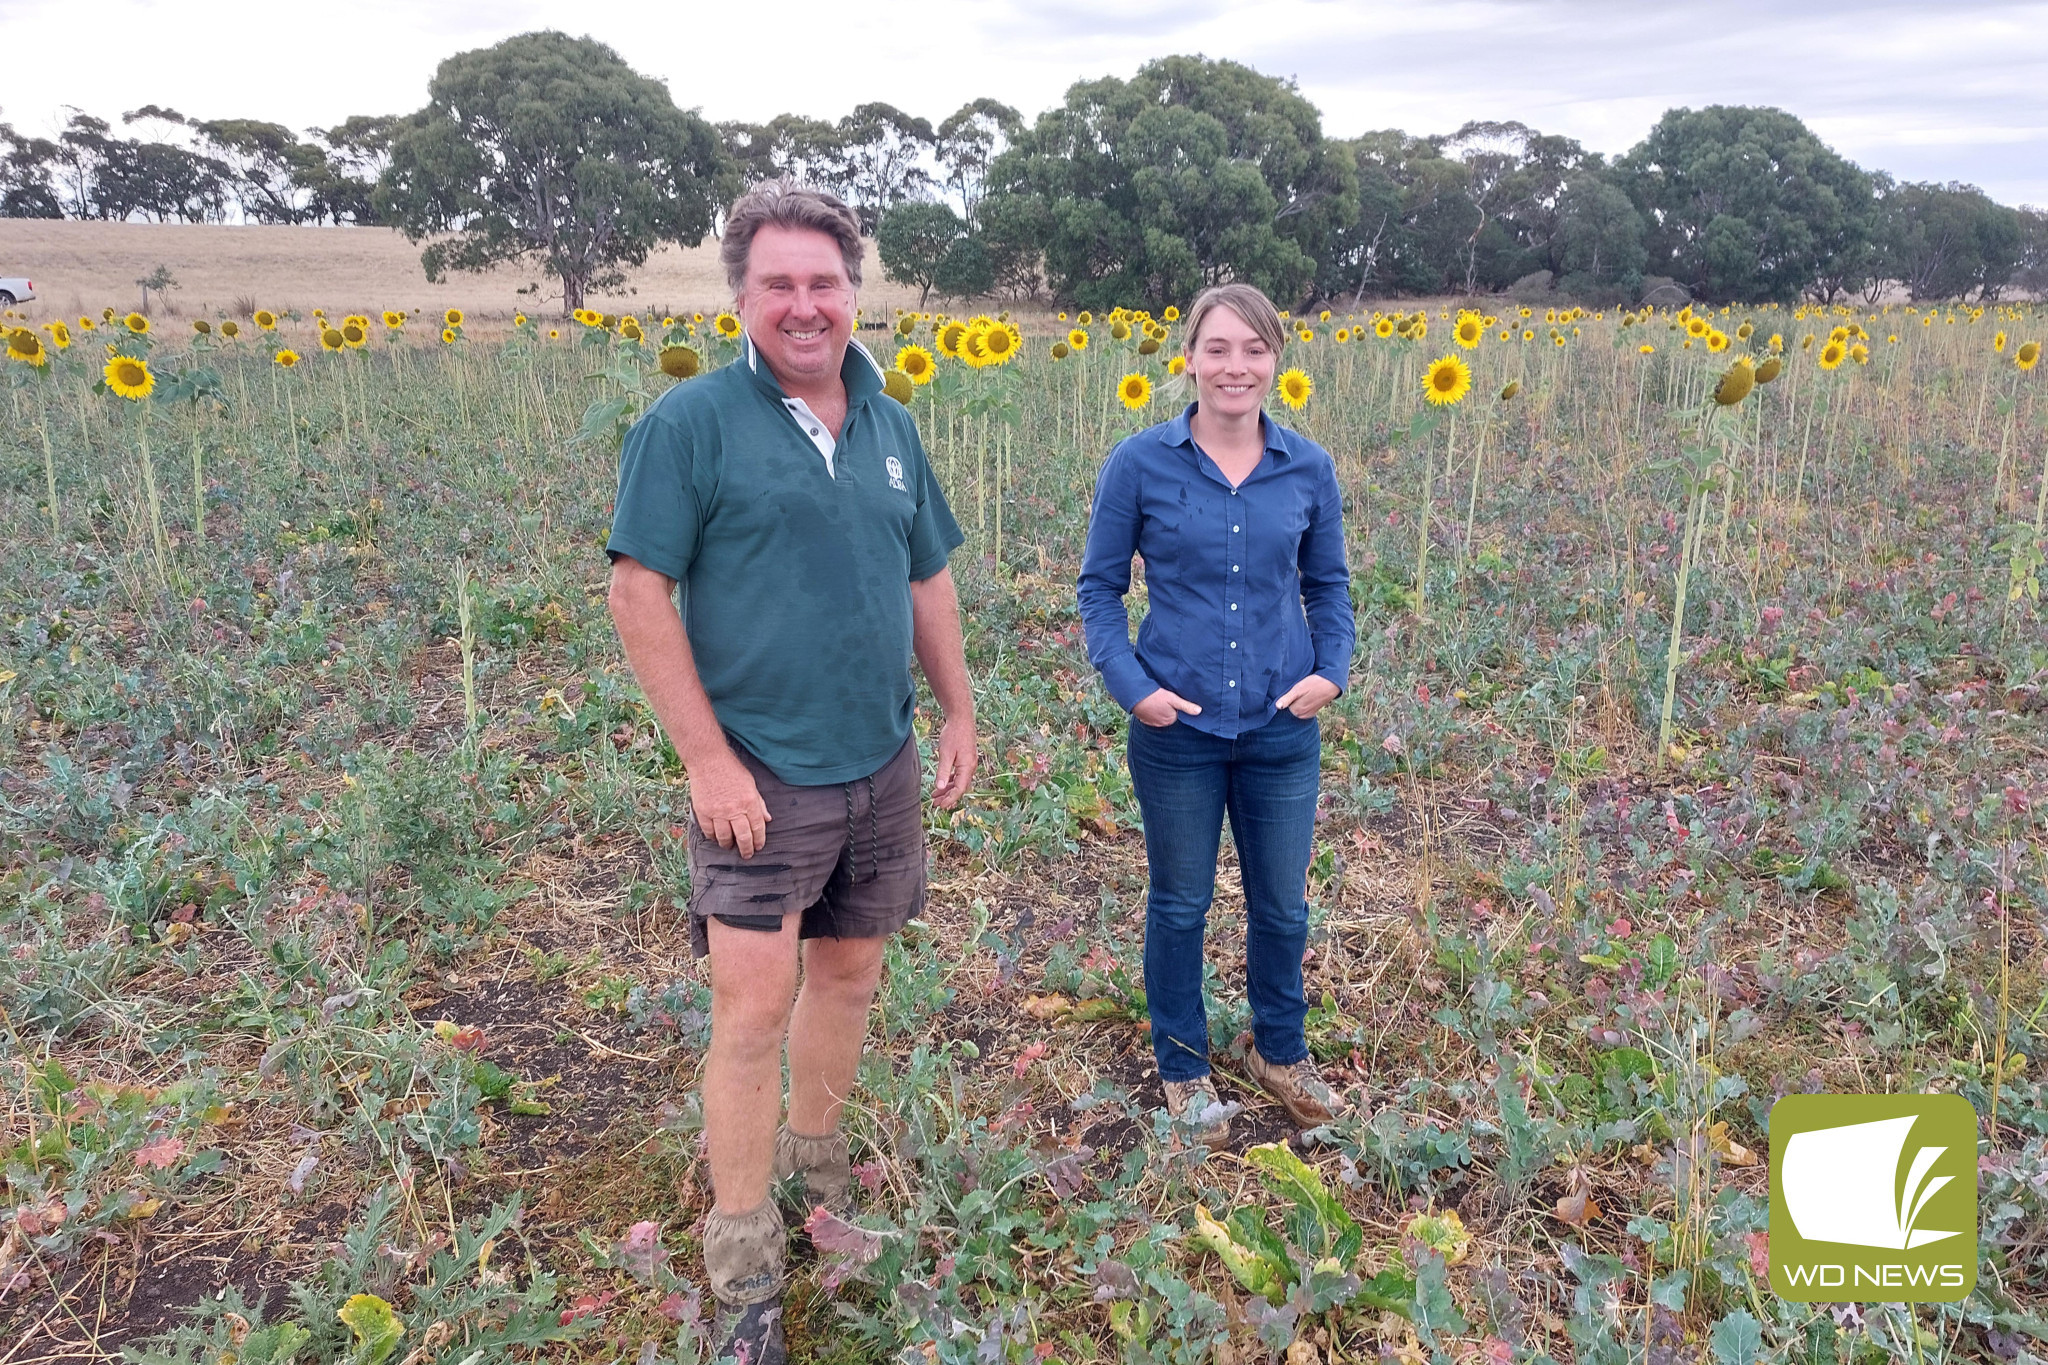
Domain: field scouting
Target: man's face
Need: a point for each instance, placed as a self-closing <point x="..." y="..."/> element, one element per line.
<point x="797" y="304"/>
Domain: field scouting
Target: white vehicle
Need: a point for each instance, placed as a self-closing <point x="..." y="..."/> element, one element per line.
<point x="15" y="289"/>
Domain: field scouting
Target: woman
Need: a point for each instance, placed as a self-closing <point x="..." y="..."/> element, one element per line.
<point x="1248" y="635"/>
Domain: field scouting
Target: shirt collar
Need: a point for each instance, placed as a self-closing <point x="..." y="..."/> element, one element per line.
<point x="858" y="370"/>
<point x="1181" y="432"/>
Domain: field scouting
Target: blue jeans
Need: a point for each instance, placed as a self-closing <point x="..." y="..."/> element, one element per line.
<point x="1268" y="780"/>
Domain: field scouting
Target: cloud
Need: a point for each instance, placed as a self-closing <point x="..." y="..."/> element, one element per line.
<point x="1949" y="91"/>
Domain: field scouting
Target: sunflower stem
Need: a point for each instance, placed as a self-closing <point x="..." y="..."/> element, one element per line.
<point x="50" y="483"/>
<point x="1694" y="524"/>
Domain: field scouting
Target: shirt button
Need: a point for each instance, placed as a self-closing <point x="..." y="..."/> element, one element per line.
<point x="1233" y="528"/>
<point x="1233" y="644"/>
<point x="1233" y="606"/>
<point x="1234" y="569"/>
<point x="1233" y="682"/>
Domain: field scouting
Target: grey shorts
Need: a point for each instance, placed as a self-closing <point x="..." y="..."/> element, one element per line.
<point x="848" y="856"/>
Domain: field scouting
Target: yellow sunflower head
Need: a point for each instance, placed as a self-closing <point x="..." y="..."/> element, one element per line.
<point x="1469" y="331"/>
<point x="1087" y="319"/>
<point x="1447" y="381"/>
<point x="26" y="347"/>
<point x="61" y="335"/>
<point x="1060" y="350"/>
<point x="136" y="323"/>
<point x="1528" y="333"/>
<point x="1646" y="349"/>
<point x="452" y="318"/>
<point x="1178" y="365"/>
<point x="1120" y="330"/>
<point x="1833" y="354"/>
<point x="1860" y="353"/>
<point x="1384" y="328"/>
<point x="897" y="385"/>
<point x="1134" y="391"/>
<point x="1513" y="387"/>
<point x="1735" y="385"/>
<point x="286" y="358"/>
<point x="1420" y="329"/>
<point x="331" y="339"/>
<point x="1717" y="340"/>
<point x="231" y="329"/>
<point x="1172" y="314"/>
<point x="354" y="335"/>
<point x="728" y="326"/>
<point x="1078" y="339"/>
<point x="1003" y="341"/>
<point x="1744" y="332"/>
<point x="201" y="327"/>
<point x="1769" y="370"/>
<point x="680" y="362"/>
<point x="2028" y="355"/>
<point x="266" y="319"/>
<point x="1998" y="343"/>
<point x="449" y="336"/>
<point x="129" y="377"/>
<point x="917" y="363"/>
<point x="1296" y="388"/>
<point x="393" y="320"/>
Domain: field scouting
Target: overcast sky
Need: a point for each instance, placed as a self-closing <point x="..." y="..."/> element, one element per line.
<point x="1931" y="90"/>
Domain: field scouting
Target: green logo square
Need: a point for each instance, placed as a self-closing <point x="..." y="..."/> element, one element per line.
<point x="1873" y="1198"/>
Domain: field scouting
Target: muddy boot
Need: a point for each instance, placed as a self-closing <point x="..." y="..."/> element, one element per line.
<point x="818" y="1170"/>
<point x="743" y="1255"/>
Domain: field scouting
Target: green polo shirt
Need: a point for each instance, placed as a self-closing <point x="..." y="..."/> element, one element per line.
<point x="796" y="577"/>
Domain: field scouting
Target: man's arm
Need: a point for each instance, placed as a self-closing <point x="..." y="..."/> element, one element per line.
<point x="935" y="636"/>
<point x="722" y="792"/>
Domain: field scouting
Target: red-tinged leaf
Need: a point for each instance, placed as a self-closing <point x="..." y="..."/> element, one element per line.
<point x="160" y="1153"/>
<point x="681" y="1307"/>
<point x="869" y="1174"/>
<point x="469" y="1038"/>
<point x="640" y="1251"/>
<point x="1759" y="1254"/>
<point x="846" y="1246"/>
<point x="1026" y="1058"/>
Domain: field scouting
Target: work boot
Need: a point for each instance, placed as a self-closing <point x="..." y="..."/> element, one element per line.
<point x="1298" y="1086"/>
<point x="743" y="1256"/>
<point x="1187" y="1101"/>
<point x="819" y="1169"/>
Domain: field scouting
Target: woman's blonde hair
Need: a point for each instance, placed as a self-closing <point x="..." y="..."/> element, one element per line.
<point x="1249" y="303"/>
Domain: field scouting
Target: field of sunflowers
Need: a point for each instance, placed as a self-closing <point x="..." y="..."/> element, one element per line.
<point x="1696" y="755"/>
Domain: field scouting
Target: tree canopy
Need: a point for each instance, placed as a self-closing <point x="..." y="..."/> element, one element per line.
<point x="551" y="149"/>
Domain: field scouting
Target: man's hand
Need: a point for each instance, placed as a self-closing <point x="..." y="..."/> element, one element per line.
<point x="1308" y="696"/>
<point x="1164" y="708"/>
<point x="959" y="751"/>
<point x="728" y="805"/>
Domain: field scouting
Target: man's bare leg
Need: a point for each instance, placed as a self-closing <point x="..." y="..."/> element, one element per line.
<point x="828" y="1029"/>
<point x="753" y="979"/>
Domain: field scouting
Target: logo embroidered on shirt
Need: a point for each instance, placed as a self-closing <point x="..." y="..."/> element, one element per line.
<point x="895" y="468"/>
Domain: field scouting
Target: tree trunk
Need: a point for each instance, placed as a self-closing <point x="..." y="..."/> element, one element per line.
<point x="572" y="293"/>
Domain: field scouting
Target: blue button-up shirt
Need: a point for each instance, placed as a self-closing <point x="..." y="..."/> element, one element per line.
<point x="1248" y="586"/>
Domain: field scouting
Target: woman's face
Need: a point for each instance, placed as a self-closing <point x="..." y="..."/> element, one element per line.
<point x="1232" y="365"/>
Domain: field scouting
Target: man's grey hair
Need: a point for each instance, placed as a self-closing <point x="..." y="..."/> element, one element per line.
<point x="785" y="203"/>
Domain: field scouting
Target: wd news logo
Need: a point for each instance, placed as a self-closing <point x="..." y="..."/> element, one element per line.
<point x="1873" y="1198"/>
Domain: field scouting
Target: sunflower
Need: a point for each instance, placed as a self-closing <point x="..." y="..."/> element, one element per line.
<point x="1839" y="334"/>
<point x="1528" y="334"/>
<point x="286" y="358"/>
<point x="1447" y="381"/>
<point x="1717" y="340"/>
<point x="1323" y="316"/>
<point x="1134" y="391"/>
<point x="1383" y="329"/>
<point x="906" y="324"/>
<point x="1420" y="329"/>
<point x="1697" y="327"/>
<point x="519" y="320"/>
<point x="397" y="320"/>
<point x="27" y="347"/>
<point x="265" y="319"/>
<point x="355" y="334"/>
<point x="1735" y="385"/>
<point x="554" y="333"/>
<point x="449" y="336"/>
<point x="1557" y="340"/>
<point x="231" y="329"/>
<point x="897" y="385"/>
<point x="1087" y="319"/>
<point x="728" y="326"/>
<point x="60" y="335"/>
<point x="917" y="363"/>
<point x="1806" y="342"/>
<point x="1178" y="365"/>
<point x="1769" y="370"/>
<point x="1646" y="349"/>
<point x="1060" y="351"/>
<point x="1003" y="341"/>
<point x="1744" y="332"/>
<point x="2028" y="355"/>
<point x="1833" y="354"/>
<point x="680" y="362"/>
<point x="452" y="318"/>
<point x="1860" y="353"/>
<point x="331" y="339"/>
<point x="1998" y="343"/>
<point x="201" y="327"/>
<point x="129" y="377"/>
<point x="1296" y="388"/>
<point x="629" y="328"/>
<point x="1077" y="339"/>
<point x="1513" y="387"/>
<point x="1172" y="314"/>
<point x="949" y="338"/>
<point x="1119" y="330"/>
<point x="136" y="323"/>
<point x="359" y="319"/>
<point x="1469" y="332"/>
<point x="86" y="324"/>
<point x="1342" y="335"/>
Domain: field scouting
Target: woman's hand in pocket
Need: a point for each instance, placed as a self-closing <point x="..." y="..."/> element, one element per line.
<point x="1308" y="696"/>
<point x="1163" y="708"/>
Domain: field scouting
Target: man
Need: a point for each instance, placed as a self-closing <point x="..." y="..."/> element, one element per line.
<point x="794" y="504"/>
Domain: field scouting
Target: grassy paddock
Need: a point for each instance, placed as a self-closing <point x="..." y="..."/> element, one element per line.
<point x="340" y="858"/>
